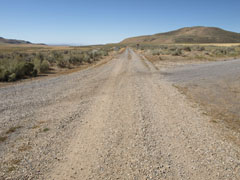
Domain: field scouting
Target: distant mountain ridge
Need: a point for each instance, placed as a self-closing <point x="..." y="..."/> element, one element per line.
<point x="13" y="41"/>
<point x="197" y="34"/>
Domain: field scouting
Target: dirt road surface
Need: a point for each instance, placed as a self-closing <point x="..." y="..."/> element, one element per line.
<point x="121" y="120"/>
<point x="215" y="85"/>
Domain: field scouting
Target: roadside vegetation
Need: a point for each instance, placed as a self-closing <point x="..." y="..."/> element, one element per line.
<point x="24" y="62"/>
<point x="189" y="52"/>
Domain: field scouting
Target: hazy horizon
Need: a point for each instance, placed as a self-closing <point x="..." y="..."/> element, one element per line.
<point x="94" y="22"/>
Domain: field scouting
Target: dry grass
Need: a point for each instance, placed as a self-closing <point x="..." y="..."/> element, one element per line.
<point x="36" y="127"/>
<point x="13" y="165"/>
<point x="211" y="44"/>
<point x="39" y="48"/>
<point x="45" y="129"/>
<point x="13" y="129"/>
<point x="24" y="148"/>
<point x="11" y="168"/>
<point x="3" y="138"/>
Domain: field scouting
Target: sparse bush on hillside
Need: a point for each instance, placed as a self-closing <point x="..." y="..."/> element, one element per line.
<point x="155" y="52"/>
<point x="187" y="48"/>
<point x="177" y="52"/>
<point x="209" y="52"/>
<point x="172" y="48"/>
<point x="103" y="53"/>
<point x="200" y="48"/>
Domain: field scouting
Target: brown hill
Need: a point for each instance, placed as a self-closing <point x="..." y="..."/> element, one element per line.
<point x="13" y="41"/>
<point x="196" y="34"/>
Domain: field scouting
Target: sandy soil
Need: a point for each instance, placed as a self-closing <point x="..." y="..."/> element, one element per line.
<point x="121" y="120"/>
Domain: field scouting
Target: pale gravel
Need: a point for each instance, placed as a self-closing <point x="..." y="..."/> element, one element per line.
<point x="121" y="120"/>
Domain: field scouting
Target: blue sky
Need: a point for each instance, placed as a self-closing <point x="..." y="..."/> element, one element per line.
<point x="106" y="21"/>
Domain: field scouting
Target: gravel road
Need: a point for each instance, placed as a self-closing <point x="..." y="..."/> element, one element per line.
<point x="216" y="85"/>
<point x="211" y="71"/>
<point x="120" y="120"/>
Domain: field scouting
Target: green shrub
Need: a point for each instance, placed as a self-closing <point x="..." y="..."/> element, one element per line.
<point x="219" y="52"/>
<point x="63" y="63"/>
<point x="28" y="68"/>
<point x="103" y="53"/>
<point x="57" y="55"/>
<point x="18" y="68"/>
<point x="75" y="59"/>
<point x="172" y="48"/>
<point x="86" y="58"/>
<point x="40" y="56"/>
<point x="177" y="52"/>
<point x="4" y="74"/>
<point x="155" y="52"/>
<point x="34" y="73"/>
<point x="232" y="51"/>
<point x="200" y="48"/>
<point x="37" y="64"/>
<point x="187" y="48"/>
<point x="51" y="59"/>
<point x="93" y="54"/>
<point x="12" y="77"/>
<point x="44" y="67"/>
<point x="17" y="64"/>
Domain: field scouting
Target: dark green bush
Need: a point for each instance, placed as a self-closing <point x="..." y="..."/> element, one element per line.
<point x="12" y="77"/>
<point x="16" y="70"/>
<point x="4" y="74"/>
<point x="19" y="69"/>
<point x="34" y="73"/>
<point x="28" y="68"/>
